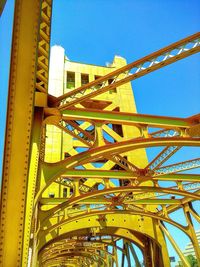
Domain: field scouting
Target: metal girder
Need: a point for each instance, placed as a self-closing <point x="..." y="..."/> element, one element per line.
<point x="57" y="201"/>
<point x="31" y="35"/>
<point x="141" y="67"/>
<point x="165" y="133"/>
<point x="79" y="135"/>
<point x="162" y="157"/>
<point x="124" y="118"/>
<point x="138" y="195"/>
<point x="54" y="170"/>
<point x="31" y="182"/>
<point x="18" y="130"/>
<point x="126" y="175"/>
<point x="178" y="167"/>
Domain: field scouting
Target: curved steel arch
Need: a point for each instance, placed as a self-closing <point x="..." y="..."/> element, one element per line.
<point x="112" y="212"/>
<point x="184" y="229"/>
<point x="115" y="190"/>
<point x="54" y="170"/>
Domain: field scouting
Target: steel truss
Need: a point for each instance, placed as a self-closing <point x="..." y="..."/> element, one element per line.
<point x="114" y="210"/>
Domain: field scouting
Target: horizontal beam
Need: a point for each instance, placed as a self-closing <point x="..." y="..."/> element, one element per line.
<point x="56" y="201"/>
<point x="97" y="174"/>
<point x="124" y="118"/>
<point x="140" y="193"/>
<point x="127" y="175"/>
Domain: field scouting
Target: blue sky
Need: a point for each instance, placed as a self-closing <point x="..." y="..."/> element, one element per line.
<point x="93" y="31"/>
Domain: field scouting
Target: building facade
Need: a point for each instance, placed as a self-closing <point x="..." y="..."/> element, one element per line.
<point x="189" y="249"/>
<point x="65" y="76"/>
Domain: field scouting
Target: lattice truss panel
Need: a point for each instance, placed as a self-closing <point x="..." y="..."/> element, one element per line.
<point x="102" y="199"/>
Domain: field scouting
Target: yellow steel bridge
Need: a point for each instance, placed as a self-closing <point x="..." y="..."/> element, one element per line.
<point x="77" y="189"/>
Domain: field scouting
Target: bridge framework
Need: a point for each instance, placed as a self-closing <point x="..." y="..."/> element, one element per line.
<point x="100" y="199"/>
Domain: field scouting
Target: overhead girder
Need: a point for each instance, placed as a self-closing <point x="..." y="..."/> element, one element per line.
<point x="159" y="160"/>
<point x="54" y="116"/>
<point x="139" y="190"/>
<point x="178" y="167"/>
<point x="110" y="221"/>
<point x="141" y="67"/>
<point x="163" y="156"/>
<point x="54" y="170"/>
<point x="73" y="173"/>
<point x="46" y="215"/>
<point x="140" y="198"/>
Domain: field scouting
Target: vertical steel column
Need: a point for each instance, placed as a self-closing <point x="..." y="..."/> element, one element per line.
<point x="32" y="178"/>
<point x="18" y="130"/>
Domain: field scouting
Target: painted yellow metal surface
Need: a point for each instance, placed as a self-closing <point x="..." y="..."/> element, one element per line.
<point x="23" y="126"/>
<point x="78" y="189"/>
<point x="18" y="131"/>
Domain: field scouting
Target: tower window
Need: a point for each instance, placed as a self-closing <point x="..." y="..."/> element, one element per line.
<point x="51" y="195"/>
<point x="100" y="84"/>
<point x="71" y="191"/>
<point x="84" y="79"/>
<point x="70" y="79"/>
<point x="64" y="192"/>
